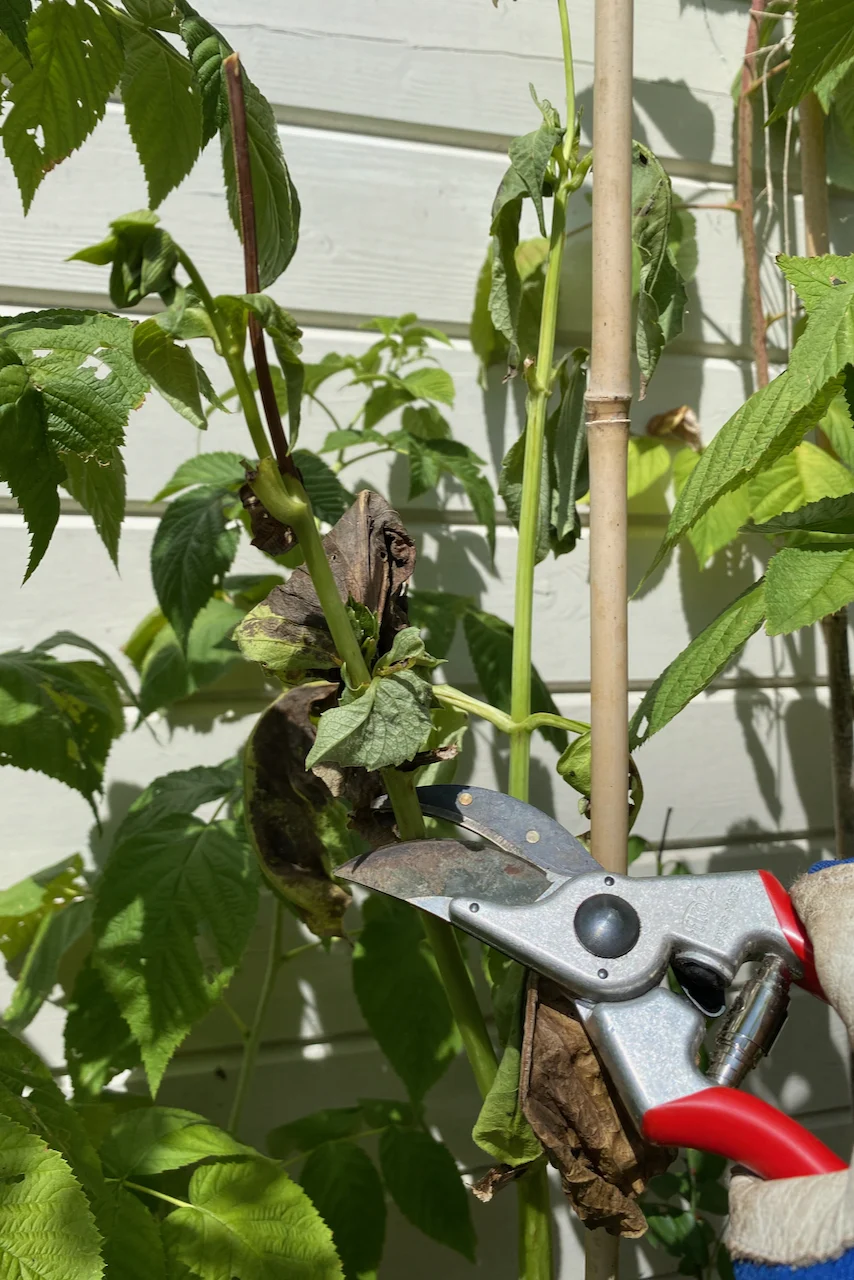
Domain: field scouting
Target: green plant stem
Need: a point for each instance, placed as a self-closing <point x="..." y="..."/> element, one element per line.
<point x="445" y="944"/>
<point x="520" y="695"/>
<point x="233" y="356"/>
<point x="253" y="1042"/>
<point x="158" y="1195"/>
<point x="535" y="1239"/>
<point x="451" y="697"/>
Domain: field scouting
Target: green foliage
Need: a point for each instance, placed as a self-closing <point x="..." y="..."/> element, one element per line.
<point x="143" y="259"/>
<point x="192" y="549"/>
<point x="221" y="470"/>
<point x="676" y="1205"/>
<point x="14" y="16"/>
<point x="286" y="334"/>
<point x="249" y="1220"/>
<point x="163" y="109"/>
<point x="501" y="1128"/>
<point x="394" y="973"/>
<point x="60" y="718"/>
<point x="153" y="1139"/>
<point x="165" y="887"/>
<point x="171" y="369"/>
<point x="98" y="1042"/>
<point x="36" y="1184"/>
<point x="64" y="921"/>
<point x="53" y="407"/>
<point x="342" y="1183"/>
<point x="423" y="1181"/>
<point x="334" y="1124"/>
<point x="386" y="722"/>
<point x="805" y="584"/>
<point x="133" y="1249"/>
<point x="329" y="498"/>
<point x="699" y="664"/>
<point x="60" y="94"/>
<point x="490" y="645"/>
<point x="661" y="290"/>
<point x="825" y="515"/>
<point x="824" y="40"/>
<point x="564" y="478"/>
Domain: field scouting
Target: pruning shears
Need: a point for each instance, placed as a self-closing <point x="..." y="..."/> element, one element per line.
<point x="520" y="882"/>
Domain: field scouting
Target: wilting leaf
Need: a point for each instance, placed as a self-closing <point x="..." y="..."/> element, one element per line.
<point x="661" y="297"/>
<point x="603" y="1164"/>
<point x="501" y="1128"/>
<point x="297" y="828"/>
<point x="372" y="557"/>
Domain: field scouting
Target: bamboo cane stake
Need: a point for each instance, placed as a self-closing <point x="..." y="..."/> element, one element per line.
<point x="607" y="405"/>
<point x="835" y="625"/>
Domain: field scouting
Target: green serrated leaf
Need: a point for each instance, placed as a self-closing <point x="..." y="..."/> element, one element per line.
<point x="171" y="368"/>
<point x="161" y="891"/>
<point x="401" y="995"/>
<point x="837" y="425"/>
<point x="30" y="1096"/>
<point x="430" y="459"/>
<point x="56" y="100"/>
<point x="222" y="469"/>
<point x="14" y="17"/>
<point x="98" y="1042"/>
<point x="56" y="933"/>
<point x="422" y="1179"/>
<point x="773" y="421"/>
<point x="530" y="156"/>
<point x="59" y="718"/>
<point x="505" y="290"/>
<point x="100" y="490"/>
<point x="163" y="109"/>
<point x="805" y="584"/>
<point x="184" y="791"/>
<point x="250" y="1220"/>
<point x="697" y="665"/>
<point x="329" y="498"/>
<point x="133" y="1249"/>
<point x="824" y="39"/>
<point x="377" y="727"/>
<point x="490" y="644"/>
<point x="722" y="522"/>
<point x="36" y="1185"/>
<point x="28" y="461"/>
<point x="332" y="1124"/>
<point x="661" y="294"/>
<point x="207" y="48"/>
<point x="192" y="548"/>
<point x="430" y="383"/>
<point x="342" y="1183"/>
<point x="827" y="515"/>
<point x="277" y="207"/>
<point x="800" y="477"/>
<point x="153" y="1139"/>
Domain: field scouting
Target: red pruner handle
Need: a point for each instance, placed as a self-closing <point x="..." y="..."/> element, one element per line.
<point x="794" y="933"/>
<point x="742" y="1128"/>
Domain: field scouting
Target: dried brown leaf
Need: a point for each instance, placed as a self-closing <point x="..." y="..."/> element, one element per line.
<point x="680" y="423"/>
<point x="603" y="1162"/>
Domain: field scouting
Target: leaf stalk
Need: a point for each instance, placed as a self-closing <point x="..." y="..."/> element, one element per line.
<point x="253" y="1042"/>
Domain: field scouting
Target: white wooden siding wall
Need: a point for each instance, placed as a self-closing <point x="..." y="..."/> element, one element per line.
<point x="394" y="118"/>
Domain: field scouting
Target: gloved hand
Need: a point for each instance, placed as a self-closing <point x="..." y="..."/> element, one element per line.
<point x="806" y="1223"/>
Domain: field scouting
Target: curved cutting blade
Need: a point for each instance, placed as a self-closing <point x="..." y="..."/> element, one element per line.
<point x="530" y="854"/>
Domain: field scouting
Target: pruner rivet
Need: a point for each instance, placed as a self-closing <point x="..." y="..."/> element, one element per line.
<point x="466" y="797"/>
<point x="474" y="907"/>
<point x="603" y="973"/>
<point x="609" y="880"/>
<point x="532" y="837"/>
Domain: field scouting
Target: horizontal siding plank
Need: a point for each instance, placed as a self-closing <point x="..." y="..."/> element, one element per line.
<point x="411" y="234"/>
<point x="77" y="588"/>
<point x="452" y="68"/>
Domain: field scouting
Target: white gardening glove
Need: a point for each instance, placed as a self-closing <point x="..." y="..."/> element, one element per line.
<point x="806" y="1225"/>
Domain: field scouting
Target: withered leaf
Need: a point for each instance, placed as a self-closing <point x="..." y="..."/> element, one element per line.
<point x="603" y="1162"/>
<point x="680" y="423"/>
<point x="296" y="825"/>
<point x="372" y="558"/>
<point x="268" y="533"/>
